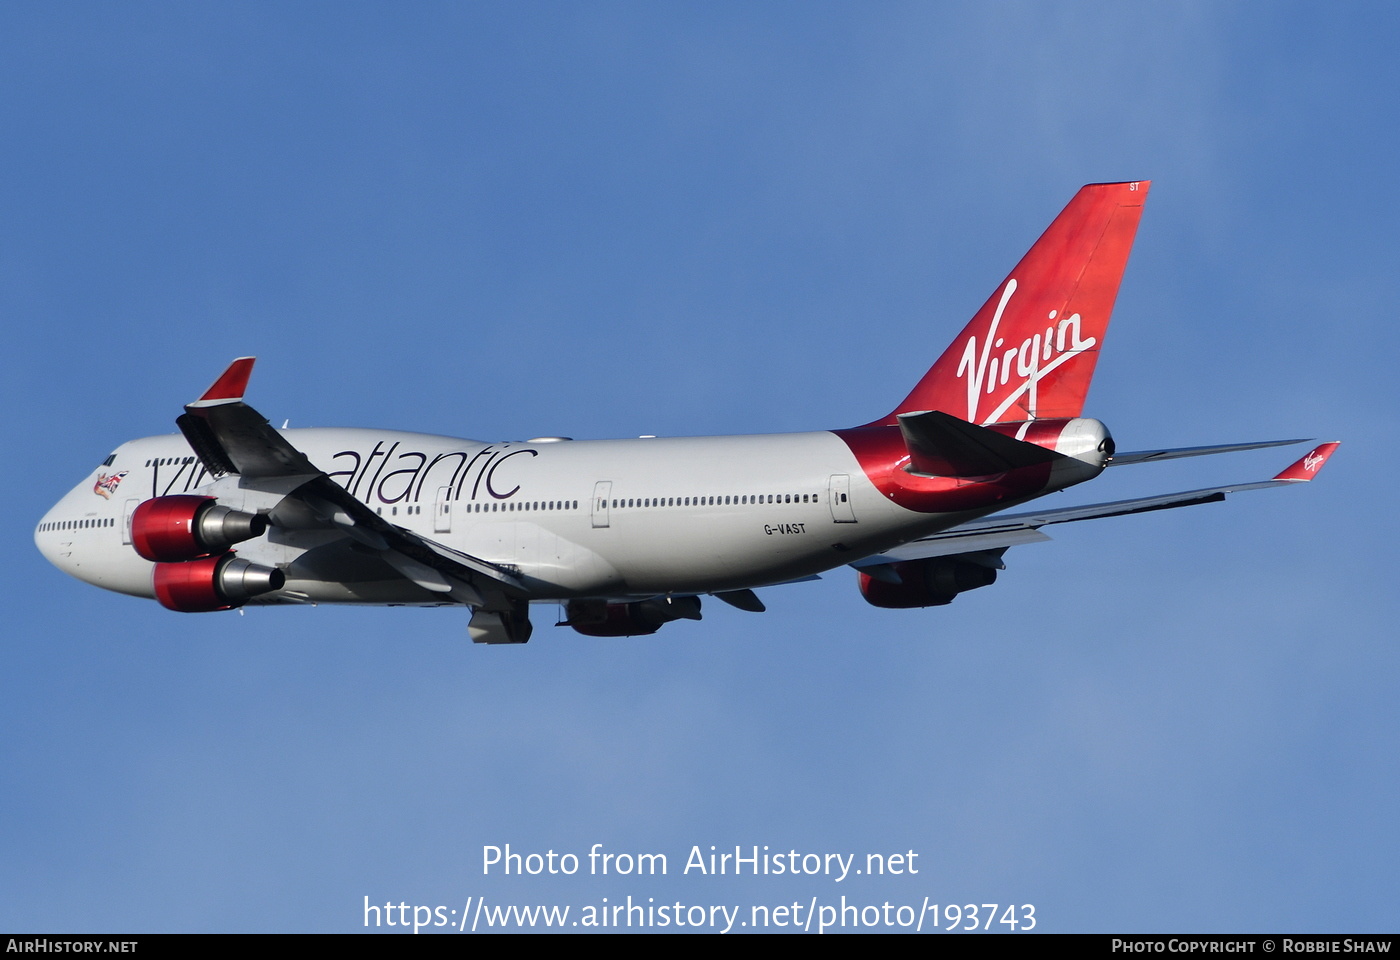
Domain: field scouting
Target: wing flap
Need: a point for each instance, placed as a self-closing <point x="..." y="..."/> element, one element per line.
<point x="362" y="523"/>
<point x="952" y="543"/>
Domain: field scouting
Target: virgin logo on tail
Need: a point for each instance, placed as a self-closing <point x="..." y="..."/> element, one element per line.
<point x="1007" y="363"/>
<point x="1035" y="357"/>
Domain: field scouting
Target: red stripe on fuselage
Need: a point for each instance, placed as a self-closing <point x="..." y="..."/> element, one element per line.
<point x="883" y="456"/>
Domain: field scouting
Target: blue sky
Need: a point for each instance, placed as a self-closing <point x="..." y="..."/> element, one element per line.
<point x="602" y="220"/>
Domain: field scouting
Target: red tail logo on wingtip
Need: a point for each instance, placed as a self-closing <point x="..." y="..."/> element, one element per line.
<point x="1030" y="352"/>
<point x="1310" y="464"/>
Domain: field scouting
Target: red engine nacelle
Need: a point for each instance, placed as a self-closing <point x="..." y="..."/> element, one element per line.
<point x="598" y="618"/>
<point x="213" y="583"/>
<point x="925" y="583"/>
<point x="185" y="527"/>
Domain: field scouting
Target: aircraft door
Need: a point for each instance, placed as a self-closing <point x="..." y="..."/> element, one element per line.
<point x="131" y="506"/>
<point x="602" y="491"/>
<point x="442" y="511"/>
<point x="839" y="490"/>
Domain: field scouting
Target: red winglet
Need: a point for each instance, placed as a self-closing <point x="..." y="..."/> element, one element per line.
<point x="231" y="385"/>
<point x="1307" y="468"/>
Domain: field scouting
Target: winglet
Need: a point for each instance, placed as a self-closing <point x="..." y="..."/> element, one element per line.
<point x="230" y="386"/>
<point x="1307" y="468"/>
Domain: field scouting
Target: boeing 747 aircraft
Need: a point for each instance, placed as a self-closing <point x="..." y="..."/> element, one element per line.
<point x="629" y="535"/>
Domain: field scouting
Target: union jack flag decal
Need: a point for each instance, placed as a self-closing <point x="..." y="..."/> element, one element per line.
<point x="106" y="484"/>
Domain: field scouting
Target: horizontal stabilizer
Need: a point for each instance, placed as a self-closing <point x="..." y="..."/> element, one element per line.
<point x="941" y="445"/>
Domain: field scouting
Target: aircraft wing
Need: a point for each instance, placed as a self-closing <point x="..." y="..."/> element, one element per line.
<point x="998" y="532"/>
<point x="231" y="438"/>
<point x="1152" y="456"/>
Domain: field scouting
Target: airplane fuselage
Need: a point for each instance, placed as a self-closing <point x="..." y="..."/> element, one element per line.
<point x="627" y="535"/>
<point x="616" y="519"/>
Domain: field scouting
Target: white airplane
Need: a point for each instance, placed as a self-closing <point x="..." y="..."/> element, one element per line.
<point x="629" y="534"/>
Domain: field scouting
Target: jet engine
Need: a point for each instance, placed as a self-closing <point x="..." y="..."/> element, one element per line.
<point x="213" y="583"/>
<point x="924" y="583"/>
<point x="598" y="618"/>
<point x="185" y="527"/>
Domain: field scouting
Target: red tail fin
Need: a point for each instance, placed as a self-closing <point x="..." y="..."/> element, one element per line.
<point x="1029" y="353"/>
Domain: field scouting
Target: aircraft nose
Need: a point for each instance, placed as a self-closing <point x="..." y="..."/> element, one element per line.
<point x="55" y="543"/>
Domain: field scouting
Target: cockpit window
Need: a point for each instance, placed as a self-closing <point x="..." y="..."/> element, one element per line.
<point x="109" y="461"/>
